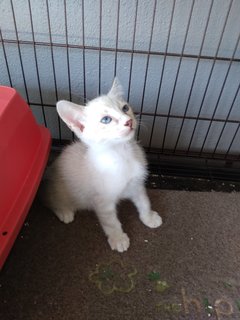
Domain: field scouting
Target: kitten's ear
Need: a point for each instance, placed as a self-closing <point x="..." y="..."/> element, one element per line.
<point x="117" y="90"/>
<point x="71" y="114"/>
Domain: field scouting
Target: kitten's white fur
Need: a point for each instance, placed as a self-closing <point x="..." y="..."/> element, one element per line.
<point x="105" y="166"/>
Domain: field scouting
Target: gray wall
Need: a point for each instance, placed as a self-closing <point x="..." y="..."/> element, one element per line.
<point x="140" y="72"/>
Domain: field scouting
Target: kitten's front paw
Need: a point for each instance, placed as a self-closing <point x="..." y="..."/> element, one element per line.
<point x="152" y="220"/>
<point x="66" y="216"/>
<point x="119" y="242"/>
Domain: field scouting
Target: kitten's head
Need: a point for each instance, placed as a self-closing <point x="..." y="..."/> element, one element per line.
<point x="106" y="119"/>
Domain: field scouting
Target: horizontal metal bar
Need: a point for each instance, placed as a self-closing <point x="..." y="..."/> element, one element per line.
<point x="192" y="154"/>
<point x="57" y="145"/>
<point x="161" y="115"/>
<point x="107" y="49"/>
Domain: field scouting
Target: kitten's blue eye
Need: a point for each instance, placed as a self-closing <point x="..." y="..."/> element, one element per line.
<point x="106" y="120"/>
<point x="125" y="108"/>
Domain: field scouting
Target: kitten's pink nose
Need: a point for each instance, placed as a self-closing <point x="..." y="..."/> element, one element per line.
<point x="129" y="123"/>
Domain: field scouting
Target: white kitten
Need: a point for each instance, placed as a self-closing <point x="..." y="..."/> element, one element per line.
<point x="105" y="166"/>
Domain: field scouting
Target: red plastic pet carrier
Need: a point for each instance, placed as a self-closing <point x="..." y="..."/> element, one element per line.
<point x="24" y="150"/>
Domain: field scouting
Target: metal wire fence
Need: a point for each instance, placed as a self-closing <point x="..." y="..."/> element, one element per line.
<point x="178" y="61"/>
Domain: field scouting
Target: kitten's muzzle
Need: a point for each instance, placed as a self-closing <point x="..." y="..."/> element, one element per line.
<point x="129" y="123"/>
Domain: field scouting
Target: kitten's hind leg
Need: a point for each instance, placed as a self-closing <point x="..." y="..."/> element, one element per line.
<point x="64" y="215"/>
<point x="107" y="215"/>
<point x="139" y="197"/>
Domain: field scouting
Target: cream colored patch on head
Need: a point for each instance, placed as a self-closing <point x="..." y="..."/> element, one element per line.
<point x="105" y="106"/>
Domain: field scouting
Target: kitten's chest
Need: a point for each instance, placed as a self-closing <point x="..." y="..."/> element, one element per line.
<point x="120" y="165"/>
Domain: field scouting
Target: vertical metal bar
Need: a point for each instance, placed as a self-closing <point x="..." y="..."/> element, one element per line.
<point x="220" y="95"/>
<point x="194" y="76"/>
<point x="230" y="145"/>
<point x="83" y="53"/>
<point x="162" y="73"/>
<point x="67" y="44"/>
<point x="100" y="46"/>
<point x="36" y="64"/>
<point x="19" y="51"/>
<point x="6" y="60"/>
<point x="51" y="48"/>
<point x="177" y="74"/>
<point x="53" y="66"/>
<point x="68" y="62"/>
<point x="133" y="46"/>
<point x="226" y="121"/>
<point x="147" y="65"/>
<point x="117" y="35"/>
<point x="209" y="78"/>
